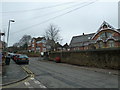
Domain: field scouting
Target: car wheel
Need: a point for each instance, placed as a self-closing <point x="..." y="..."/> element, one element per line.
<point x="27" y="62"/>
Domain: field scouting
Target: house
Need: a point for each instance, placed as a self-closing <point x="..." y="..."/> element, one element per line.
<point x="50" y="44"/>
<point x="57" y="47"/>
<point x="2" y="44"/>
<point x="81" y="42"/>
<point x="65" y="47"/>
<point x="105" y="37"/>
<point x="37" y="45"/>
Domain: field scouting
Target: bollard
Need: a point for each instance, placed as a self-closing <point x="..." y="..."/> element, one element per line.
<point x="7" y="60"/>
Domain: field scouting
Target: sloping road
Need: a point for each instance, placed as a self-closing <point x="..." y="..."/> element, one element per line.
<point x="59" y="75"/>
<point x="48" y="74"/>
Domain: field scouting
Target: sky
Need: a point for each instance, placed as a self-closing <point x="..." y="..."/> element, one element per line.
<point x="72" y="17"/>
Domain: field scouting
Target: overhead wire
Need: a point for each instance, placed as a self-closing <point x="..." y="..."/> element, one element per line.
<point x="54" y="17"/>
<point x="50" y="13"/>
<point x="52" y="6"/>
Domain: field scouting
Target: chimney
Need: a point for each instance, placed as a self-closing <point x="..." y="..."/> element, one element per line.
<point x="83" y="34"/>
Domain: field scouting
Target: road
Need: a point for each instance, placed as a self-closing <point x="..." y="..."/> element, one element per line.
<point x="48" y="74"/>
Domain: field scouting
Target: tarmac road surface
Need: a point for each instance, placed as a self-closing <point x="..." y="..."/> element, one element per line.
<point x="48" y="74"/>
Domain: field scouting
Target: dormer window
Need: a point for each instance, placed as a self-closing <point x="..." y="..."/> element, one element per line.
<point x="105" y="26"/>
<point x="89" y="37"/>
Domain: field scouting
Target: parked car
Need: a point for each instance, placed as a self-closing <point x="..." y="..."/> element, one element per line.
<point x="22" y="59"/>
<point x="57" y="59"/>
<point x="15" y="56"/>
<point x="11" y="55"/>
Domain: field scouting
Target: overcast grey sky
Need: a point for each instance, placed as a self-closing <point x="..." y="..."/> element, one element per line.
<point x="29" y="18"/>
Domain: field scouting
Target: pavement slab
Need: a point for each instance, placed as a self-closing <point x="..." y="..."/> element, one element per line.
<point x="12" y="73"/>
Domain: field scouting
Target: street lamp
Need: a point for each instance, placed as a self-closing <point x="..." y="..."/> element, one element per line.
<point x="9" y="30"/>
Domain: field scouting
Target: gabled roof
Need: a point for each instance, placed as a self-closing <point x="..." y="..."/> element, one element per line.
<point x="58" y="45"/>
<point x="105" y="26"/>
<point x="39" y="38"/>
<point x="66" y="46"/>
<point x="108" y="26"/>
<point x="80" y="39"/>
<point x="1" y="34"/>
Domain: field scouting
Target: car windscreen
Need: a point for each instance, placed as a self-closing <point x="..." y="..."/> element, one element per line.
<point x="23" y="56"/>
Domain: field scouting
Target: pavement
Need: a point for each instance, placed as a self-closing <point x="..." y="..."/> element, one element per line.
<point x="0" y="74"/>
<point x="12" y="73"/>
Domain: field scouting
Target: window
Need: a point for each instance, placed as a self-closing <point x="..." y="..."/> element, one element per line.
<point x="38" y="42"/>
<point x="105" y="35"/>
<point x="43" y="41"/>
<point x="100" y="44"/>
<point x="105" y="26"/>
<point x="102" y="35"/>
<point x="33" y="40"/>
<point x="44" y="45"/>
<point x="32" y="45"/>
<point x="111" y="43"/>
<point x="109" y="34"/>
<point x="38" y="49"/>
<point x="44" y="49"/>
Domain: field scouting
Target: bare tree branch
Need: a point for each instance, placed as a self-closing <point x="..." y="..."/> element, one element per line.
<point x="52" y="35"/>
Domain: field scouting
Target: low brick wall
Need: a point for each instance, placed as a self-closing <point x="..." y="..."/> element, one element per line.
<point x="92" y="58"/>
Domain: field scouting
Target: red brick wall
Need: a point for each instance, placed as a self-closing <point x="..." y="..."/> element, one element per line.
<point x="116" y="34"/>
<point x="41" y="46"/>
<point x="117" y="44"/>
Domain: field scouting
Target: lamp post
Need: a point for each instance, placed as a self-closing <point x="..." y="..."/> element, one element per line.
<point x="9" y="30"/>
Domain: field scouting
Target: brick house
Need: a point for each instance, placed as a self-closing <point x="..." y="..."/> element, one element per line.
<point x="37" y="45"/>
<point x="106" y="37"/>
<point x="65" y="47"/>
<point x="2" y="44"/>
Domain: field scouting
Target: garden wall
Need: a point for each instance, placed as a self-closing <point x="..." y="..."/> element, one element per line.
<point x="109" y="58"/>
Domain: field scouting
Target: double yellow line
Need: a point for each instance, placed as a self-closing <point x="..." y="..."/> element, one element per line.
<point x="29" y="75"/>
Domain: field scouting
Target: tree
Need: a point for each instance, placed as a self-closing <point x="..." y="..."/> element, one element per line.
<point x="23" y="42"/>
<point x="25" y="39"/>
<point x="52" y="33"/>
<point x="52" y="36"/>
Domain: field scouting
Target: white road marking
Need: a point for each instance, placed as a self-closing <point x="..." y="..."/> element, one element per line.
<point x="36" y="82"/>
<point x="28" y="84"/>
<point x="39" y="83"/>
<point x="30" y="87"/>
<point x="109" y="72"/>
<point x="32" y="78"/>
<point x="42" y="86"/>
